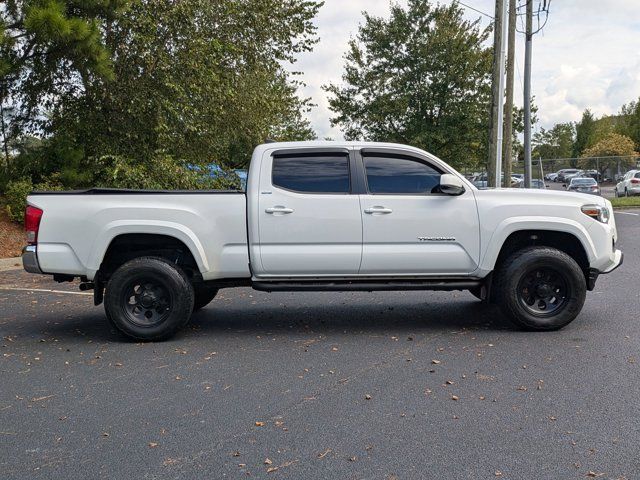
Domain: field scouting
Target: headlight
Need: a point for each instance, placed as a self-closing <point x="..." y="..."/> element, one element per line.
<point x="597" y="212"/>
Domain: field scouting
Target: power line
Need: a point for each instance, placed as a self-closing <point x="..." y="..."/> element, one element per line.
<point x="475" y="10"/>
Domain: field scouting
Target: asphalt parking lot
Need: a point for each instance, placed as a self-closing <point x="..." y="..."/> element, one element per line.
<point x="406" y="385"/>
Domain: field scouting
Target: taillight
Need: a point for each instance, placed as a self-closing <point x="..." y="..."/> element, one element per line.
<point x="32" y="217"/>
<point x="635" y="180"/>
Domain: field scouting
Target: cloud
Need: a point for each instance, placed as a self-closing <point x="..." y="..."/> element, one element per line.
<point x="586" y="57"/>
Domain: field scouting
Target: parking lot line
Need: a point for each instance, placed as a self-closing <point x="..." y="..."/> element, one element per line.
<point x="629" y="213"/>
<point x="43" y="290"/>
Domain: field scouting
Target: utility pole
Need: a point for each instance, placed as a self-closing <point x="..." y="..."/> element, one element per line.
<point x="497" y="97"/>
<point x="507" y="151"/>
<point x="527" y="95"/>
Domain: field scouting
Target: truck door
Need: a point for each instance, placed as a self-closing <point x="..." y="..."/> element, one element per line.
<point x="409" y="228"/>
<point x="309" y="222"/>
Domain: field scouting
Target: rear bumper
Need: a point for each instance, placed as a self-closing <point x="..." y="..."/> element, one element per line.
<point x="30" y="259"/>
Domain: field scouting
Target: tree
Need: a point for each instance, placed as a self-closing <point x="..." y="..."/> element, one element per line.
<point x="585" y="130"/>
<point x="555" y="143"/>
<point x="48" y="47"/>
<point x="198" y="80"/>
<point x="613" y="150"/>
<point x="420" y="77"/>
<point x="630" y="122"/>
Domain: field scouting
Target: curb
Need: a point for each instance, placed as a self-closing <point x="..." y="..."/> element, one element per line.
<point x="8" y="264"/>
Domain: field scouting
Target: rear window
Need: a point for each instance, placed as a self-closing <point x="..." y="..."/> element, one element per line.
<point x="637" y="175"/>
<point x="583" y="181"/>
<point x="315" y="173"/>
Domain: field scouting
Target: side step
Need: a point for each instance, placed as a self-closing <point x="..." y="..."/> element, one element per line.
<point x="367" y="285"/>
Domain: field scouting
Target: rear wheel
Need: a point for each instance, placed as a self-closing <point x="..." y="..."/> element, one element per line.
<point x="541" y="288"/>
<point x="149" y="298"/>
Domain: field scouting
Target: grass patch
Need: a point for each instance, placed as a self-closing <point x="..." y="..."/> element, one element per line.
<point x="626" y="202"/>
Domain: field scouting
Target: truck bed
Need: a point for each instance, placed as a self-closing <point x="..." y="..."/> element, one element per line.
<point x="79" y="226"/>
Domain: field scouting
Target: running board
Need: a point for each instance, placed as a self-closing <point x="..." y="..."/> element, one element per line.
<point x="366" y="285"/>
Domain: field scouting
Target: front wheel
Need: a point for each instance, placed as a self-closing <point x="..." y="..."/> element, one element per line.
<point x="149" y="298"/>
<point x="541" y="288"/>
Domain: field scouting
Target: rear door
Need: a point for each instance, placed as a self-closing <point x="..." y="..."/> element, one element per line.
<point x="309" y="221"/>
<point x="409" y="227"/>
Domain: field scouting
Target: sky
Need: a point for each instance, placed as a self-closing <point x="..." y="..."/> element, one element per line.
<point x="587" y="56"/>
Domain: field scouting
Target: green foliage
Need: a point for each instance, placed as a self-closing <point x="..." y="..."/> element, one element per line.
<point x="422" y="78"/>
<point x="160" y="173"/>
<point x="16" y="196"/>
<point x="125" y="85"/>
<point x="196" y="80"/>
<point x="630" y="122"/>
<point x="554" y="143"/>
<point x="51" y="47"/>
<point x="612" y="150"/>
<point x="624" y="202"/>
<point x="585" y="130"/>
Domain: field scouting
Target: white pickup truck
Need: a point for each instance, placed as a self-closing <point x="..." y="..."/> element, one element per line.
<point x="321" y="216"/>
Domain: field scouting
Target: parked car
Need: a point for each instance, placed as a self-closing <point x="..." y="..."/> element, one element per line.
<point x="324" y="216"/>
<point x="551" y="177"/>
<point x="568" y="177"/>
<point x="629" y="184"/>
<point x="480" y="181"/>
<point x="535" y="183"/>
<point x="562" y="174"/>
<point x="584" y="185"/>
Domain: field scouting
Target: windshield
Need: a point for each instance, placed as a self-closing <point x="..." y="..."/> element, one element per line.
<point x="583" y="181"/>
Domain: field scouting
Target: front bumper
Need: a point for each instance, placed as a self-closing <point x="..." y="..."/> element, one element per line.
<point x="594" y="273"/>
<point x="618" y="258"/>
<point x="30" y="259"/>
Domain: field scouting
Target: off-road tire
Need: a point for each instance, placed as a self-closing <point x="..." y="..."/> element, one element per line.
<point x="167" y="304"/>
<point x="513" y="291"/>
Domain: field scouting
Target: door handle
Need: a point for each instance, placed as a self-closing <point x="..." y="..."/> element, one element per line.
<point x="377" y="209"/>
<point x="278" y="209"/>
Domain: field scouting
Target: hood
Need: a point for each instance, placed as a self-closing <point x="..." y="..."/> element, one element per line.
<point x="539" y="197"/>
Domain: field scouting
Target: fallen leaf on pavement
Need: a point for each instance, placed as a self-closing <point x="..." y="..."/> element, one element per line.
<point x="325" y="453"/>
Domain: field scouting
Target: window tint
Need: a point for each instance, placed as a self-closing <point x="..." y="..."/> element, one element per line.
<point x="637" y="175"/>
<point x="400" y="175"/>
<point x="324" y="173"/>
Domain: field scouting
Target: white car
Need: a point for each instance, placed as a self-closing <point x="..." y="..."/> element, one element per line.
<point x="629" y="185"/>
<point x="325" y="216"/>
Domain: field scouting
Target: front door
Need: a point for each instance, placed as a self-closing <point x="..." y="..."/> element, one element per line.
<point x="411" y="229"/>
<point x="309" y="222"/>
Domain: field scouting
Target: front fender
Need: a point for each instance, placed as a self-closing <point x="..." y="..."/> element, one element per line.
<point x="508" y="226"/>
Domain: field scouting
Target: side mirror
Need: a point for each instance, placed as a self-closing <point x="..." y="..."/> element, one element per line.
<point x="451" y="185"/>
